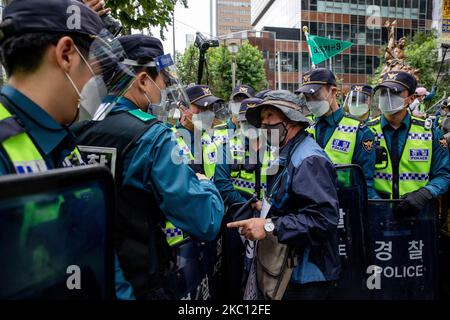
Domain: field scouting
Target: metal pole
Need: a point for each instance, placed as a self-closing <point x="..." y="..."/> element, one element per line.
<point x="173" y="29"/>
<point x="233" y="72"/>
<point x="211" y="17"/>
<point x="279" y="70"/>
<point x="330" y="61"/>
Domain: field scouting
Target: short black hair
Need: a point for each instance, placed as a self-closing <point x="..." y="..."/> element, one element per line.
<point x="24" y="53"/>
<point x="151" y="71"/>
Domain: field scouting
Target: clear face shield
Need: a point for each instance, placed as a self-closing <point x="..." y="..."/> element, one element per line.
<point x="358" y="103"/>
<point x="173" y="94"/>
<point x="249" y="131"/>
<point x="109" y="75"/>
<point x="221" y="112"/>
<point x="390" y="101"/>
<point x="317" y="103"/>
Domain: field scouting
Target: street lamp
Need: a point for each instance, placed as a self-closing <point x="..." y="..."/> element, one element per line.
<point x="233" y="49"/>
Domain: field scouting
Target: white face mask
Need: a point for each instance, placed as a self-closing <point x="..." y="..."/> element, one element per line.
<point x="319" y="107"/>
<point x="390" y="104"/>
<point x="357" y="103"/>
<point x="203" y="120"/>
<point x="234" y="107"/>
<point x="92" y="93"/>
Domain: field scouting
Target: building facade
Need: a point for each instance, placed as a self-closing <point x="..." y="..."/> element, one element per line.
<point x="232" y="16"/>
<point x="358" y="21"/>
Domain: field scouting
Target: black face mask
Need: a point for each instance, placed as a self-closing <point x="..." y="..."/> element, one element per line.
<point x="269" y="131"/>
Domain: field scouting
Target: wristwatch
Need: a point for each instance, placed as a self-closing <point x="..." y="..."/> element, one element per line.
<point x="269" y="226"/>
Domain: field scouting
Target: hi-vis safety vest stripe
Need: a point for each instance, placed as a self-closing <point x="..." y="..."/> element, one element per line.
<point x="174" y="235"/>
<point x="209" y="151"/>
<point x="25" y="156"/>
<point x="246" y="181"/>
<point x="21" y="150"/>
<point x="415" y="161"/>
<point x="341" y="145"/>
<point x="186" y="152"/>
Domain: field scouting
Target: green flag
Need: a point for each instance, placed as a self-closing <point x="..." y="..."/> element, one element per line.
<point x="323" y="48"/>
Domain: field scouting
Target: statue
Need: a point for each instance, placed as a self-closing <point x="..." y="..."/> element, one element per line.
<point x="395" y="54"/>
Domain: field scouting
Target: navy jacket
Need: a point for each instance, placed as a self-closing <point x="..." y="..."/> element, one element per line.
<point x="305" y="208"/>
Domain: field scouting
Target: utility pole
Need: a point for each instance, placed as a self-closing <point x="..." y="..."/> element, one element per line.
<point x="173" y="32"/>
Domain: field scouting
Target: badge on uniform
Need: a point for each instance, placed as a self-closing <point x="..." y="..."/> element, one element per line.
<point x="212" y="157"/>
<point x="443" y="143"/>
<point x="367" y="145"/>
<point x="419" y="155"/>
<point x="340" y="145"/>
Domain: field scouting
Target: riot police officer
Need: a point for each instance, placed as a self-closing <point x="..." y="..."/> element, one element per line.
<point x="358" y="101"/>
<point x="153" y="186"/>
<point x="414" y="163"/>
<point x="45" y="49"/>
<point x="239" y="93"/>
<point x="345" y="139"/>
<point x="198" y="118"/>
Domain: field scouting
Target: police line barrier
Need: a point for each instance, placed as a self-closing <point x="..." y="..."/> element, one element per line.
<point x="403" y="253"/>
<point x="55" y="235"/>
<point x="384" y="255"/>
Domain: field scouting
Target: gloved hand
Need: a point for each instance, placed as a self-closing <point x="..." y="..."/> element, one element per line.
<point x="414" y="202"/>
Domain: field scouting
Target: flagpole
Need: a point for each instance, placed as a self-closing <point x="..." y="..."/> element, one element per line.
<point x="306" y="32"/>
<point x="330" y="61"/>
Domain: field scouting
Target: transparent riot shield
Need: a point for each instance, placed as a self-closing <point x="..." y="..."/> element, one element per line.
<point x="352" y="193"/>
<point x="403" y="253"/>
<point x="55" y="235"/>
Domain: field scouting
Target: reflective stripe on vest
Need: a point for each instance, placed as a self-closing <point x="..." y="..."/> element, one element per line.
<point x="209" y="151"/>
<point x="173" y="234"/>
<point x="21" y="150"/>
<point x="220" y="136"/>
<point x="415" y="161"/>
<point x="342" y="143"/>
<point x="246" y="181"/>
<point x="25" y="156"/>
<point x="184" y="149"/>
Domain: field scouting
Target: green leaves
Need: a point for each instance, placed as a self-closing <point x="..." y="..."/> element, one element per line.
<point x="144" y="14"/>
<point x="249" y="70"/>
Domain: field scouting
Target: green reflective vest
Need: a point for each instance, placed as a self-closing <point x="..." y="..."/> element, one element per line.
<point x="25" y="156"/>
<point x="243" y="180"/>
<point x="209" y="152"/>
<point x="413" y="171"/>
<point x="341" y="145"/>
<point x="186" y="152"/>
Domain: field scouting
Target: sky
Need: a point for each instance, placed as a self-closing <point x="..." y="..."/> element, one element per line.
<point x="187" y="21"/>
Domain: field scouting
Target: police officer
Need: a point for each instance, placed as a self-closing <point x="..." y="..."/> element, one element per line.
<point x="304" y="209"/>
<point x="198" y="117"/>
<point x="358" y="101"/>
<point x="415" y="166"/>
<point x="153" y="186"/>
<point x="344" y="138"/>
<point x="240" y="176"/>
<point x="45" y="51"/>
<point x="239" y="93"/>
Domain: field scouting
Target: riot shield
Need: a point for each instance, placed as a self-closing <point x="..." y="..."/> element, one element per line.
<point x="191" y="278"/>
<point x="55" y="236"/>
<point x="352" y="193"/>
<point x="403" y="253"/>
<point x="444" y="248"/>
